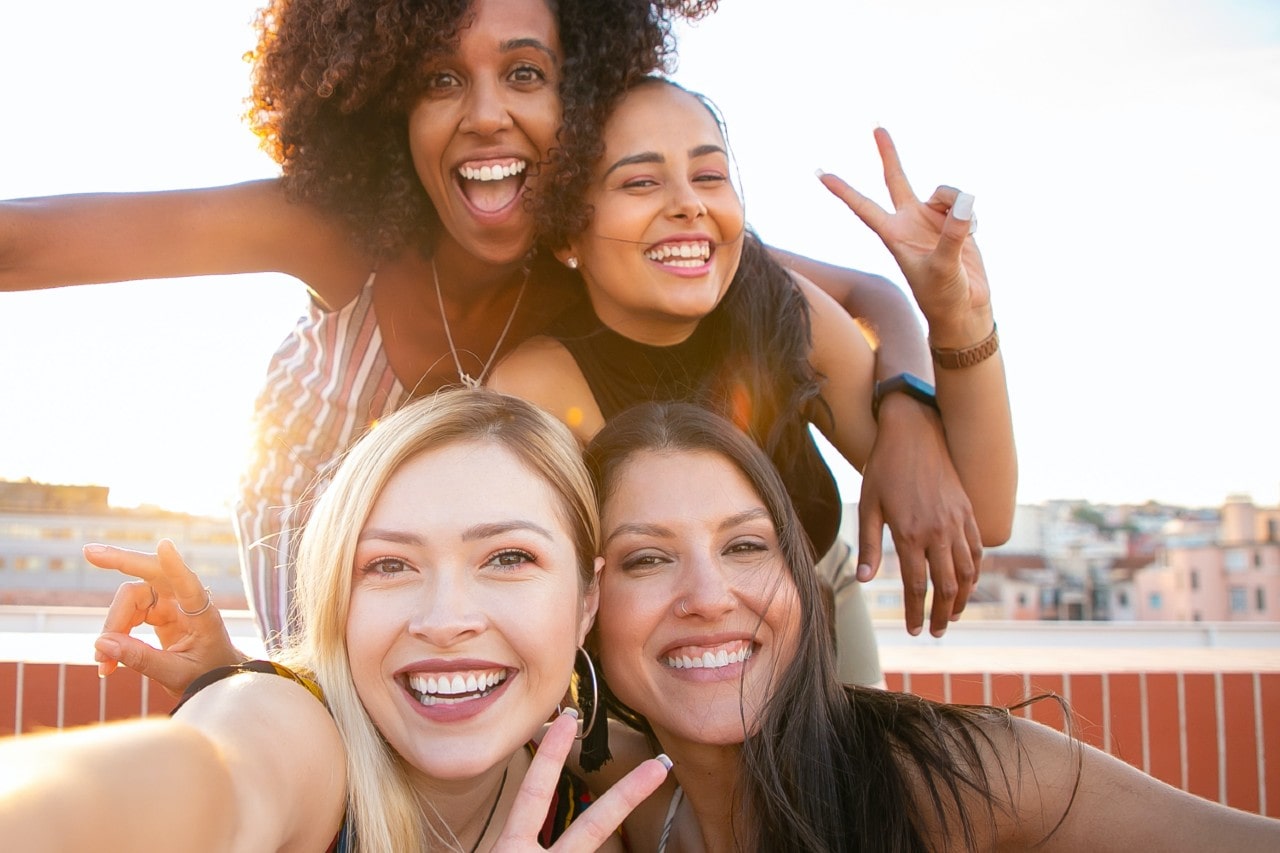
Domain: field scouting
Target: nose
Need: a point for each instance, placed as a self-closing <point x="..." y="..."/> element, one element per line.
<point x="684" y="202"/>
<point x="707" y="590"/>
<point x="486" y="109"/>
<point x="448" y="613"/>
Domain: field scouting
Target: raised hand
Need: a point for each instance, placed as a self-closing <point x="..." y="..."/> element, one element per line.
<point x="595" y="826"/>
<point x="192" y="642"/>
<point x="933" y="245"/>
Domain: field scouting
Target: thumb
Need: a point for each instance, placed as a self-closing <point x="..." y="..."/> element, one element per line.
<point x="148" y="662"/>
<point x="870" y="539"/>
<point x="957" y="227"/>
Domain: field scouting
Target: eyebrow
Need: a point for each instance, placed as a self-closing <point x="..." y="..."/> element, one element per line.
<point x="659" y="531"/>
<point x="536" y="44"/>
<point x="655" y="157"/>
<point x="471" y="534"/>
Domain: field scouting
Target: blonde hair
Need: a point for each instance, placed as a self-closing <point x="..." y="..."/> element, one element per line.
<point x="383" y="811"/>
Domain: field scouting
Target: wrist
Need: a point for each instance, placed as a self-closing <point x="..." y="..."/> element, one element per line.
<point x="961" y="332"/>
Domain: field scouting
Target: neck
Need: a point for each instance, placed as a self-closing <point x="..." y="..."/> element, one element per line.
<point x="460" y="808"/>
<point x="466" y="279"/>
<point x="708" y="775"/>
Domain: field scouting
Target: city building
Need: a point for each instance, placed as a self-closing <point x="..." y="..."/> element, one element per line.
<point x="43" y="528"/>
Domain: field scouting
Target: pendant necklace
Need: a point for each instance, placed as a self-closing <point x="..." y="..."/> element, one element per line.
<point x="464" y="377"/>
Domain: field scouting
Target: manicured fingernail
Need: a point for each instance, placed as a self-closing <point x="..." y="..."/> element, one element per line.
<point x="95" y="549"/>
<point x="570" y="712"/>
<point x="819" y="172"/>
<point x="963" y="208"/>
<point x="864" y="571"/>
<point x="915" y="632"/>
<point x="666" y="762"/>
<point x="109" y="648"/>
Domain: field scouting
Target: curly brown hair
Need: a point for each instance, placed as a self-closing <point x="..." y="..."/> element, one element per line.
<point x="334" y="81"/>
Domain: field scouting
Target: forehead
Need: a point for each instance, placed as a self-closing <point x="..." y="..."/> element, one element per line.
<point x="681" y="484"/>
<point x="656" y="116"/>
<point x="503" y="21"/>
<point x="462" y="484"/>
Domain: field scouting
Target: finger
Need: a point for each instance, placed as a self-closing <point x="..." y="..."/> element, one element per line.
<point x="595" y="826"/>
<point x="955" y="229"/>
<point x="187" y="589"/>
<point x="966" y="576"/>
<point x="128" y="608"/>
<point x="871" y="214"/>
<point x="943" y="573"/>
<point x="529" y="810"/>
<point x="943" y="199"/>
<point x="171" y="672"/>
<point x="915" y="582"/>
<point x="895" y="178"/>
<point x="870" y="538"/>
<point x="139" y="564"/>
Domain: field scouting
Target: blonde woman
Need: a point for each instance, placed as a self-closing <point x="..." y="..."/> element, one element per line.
<point x="446" y="580"/>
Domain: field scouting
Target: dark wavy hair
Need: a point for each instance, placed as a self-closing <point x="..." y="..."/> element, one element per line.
<point x="334" y="81"/>
<point x="830" y="767"/>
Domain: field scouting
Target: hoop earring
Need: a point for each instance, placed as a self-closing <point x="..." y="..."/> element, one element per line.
<point x="590" y="709"/>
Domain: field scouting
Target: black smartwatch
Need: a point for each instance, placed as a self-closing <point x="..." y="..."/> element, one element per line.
<point x="908" y="383"/>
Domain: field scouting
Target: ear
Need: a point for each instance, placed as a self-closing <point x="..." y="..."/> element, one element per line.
<point x="590" y="602"/>
<point x="564" y="254"/>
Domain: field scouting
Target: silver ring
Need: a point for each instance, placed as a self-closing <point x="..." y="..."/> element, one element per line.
<point x="208" y="602"/>
<point x="684" y="607"/>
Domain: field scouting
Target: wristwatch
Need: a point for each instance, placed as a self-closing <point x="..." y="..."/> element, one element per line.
<point x="907" y="383"/>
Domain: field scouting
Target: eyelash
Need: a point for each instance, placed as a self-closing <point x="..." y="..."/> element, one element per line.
<point x="376" y="567"/>
<point x="523" y="557"/>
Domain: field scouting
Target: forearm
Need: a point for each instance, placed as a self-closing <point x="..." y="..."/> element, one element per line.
<point x="137" y="786"/>
<point x="974" y="401"/>
<point x="881" y="308"/>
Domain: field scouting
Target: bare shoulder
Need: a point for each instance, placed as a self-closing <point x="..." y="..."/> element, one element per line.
<point x="284" y="753"/>
<point x="542" y="371"/>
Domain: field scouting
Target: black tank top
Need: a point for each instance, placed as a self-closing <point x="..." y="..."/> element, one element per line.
<point x="622" y="373"/>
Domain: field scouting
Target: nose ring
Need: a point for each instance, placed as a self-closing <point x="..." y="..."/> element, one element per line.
<point x="684" y="607"/>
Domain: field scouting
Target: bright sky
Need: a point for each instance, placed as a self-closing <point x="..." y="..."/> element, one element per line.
<point x="1123" y="155"/>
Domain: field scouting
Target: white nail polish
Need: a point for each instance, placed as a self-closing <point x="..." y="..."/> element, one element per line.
<point x="819" y="172"/>
<point x="963" y="208"/>
<point x="666" y="762"/>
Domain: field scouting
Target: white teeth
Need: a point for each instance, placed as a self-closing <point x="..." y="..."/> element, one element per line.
<point x="709" y="660"/>
<point x="492" y="173"/>
<point x="693" y="254"/>
<point x="461" y="687"/>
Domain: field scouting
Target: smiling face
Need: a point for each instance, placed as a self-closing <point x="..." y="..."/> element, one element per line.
<point x="698" y="614"/>
<point x="487" y="116"/>
<point x="466" y="609"/>
<point x="666" y="231"/>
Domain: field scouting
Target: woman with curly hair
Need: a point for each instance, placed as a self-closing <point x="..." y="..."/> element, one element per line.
<point x="409" y="134"/>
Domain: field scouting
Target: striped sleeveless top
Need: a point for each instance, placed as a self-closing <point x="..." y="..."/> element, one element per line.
<point x="326" y="384"/>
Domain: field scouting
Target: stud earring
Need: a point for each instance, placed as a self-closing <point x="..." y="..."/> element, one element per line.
<point x="571" y="262"/>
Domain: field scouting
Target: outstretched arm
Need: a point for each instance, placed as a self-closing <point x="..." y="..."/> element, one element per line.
<point x="251" y="763"/>
<point x="1103" y="803"/>
<point x="249" y="227"/>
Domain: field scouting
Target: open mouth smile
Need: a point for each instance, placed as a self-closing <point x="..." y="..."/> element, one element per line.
<point x="688" y="254"/>
<point x="453" y="688"/>
<point x="709" y="657"/>
<point x="491" y="186"/>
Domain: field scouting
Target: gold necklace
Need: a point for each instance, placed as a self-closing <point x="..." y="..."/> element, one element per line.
<point x="464" y="377"/>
